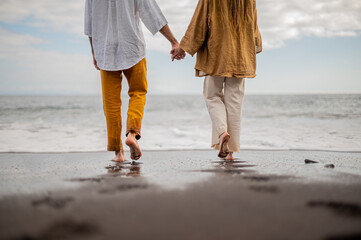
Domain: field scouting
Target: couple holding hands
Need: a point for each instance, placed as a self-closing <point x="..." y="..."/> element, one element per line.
<point x="223" y="33"/>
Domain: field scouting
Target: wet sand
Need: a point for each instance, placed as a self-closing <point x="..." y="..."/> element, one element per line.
<point x="181" y="195"/>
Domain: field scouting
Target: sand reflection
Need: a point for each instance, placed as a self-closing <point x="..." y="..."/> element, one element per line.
<point x="129" y="169"/>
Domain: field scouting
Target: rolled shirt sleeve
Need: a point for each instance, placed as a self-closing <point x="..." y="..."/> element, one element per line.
<point x="88" y="18"/>
<point x="197" y="29"/>
<point x="151" y="15"/>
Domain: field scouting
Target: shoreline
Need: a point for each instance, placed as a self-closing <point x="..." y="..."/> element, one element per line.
<point x="185" y="149"/>
<point x="28" y="172"/>
<point x="180" y="195"/>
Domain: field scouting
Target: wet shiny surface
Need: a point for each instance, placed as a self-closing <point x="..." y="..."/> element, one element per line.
<point x="39" y="173"/>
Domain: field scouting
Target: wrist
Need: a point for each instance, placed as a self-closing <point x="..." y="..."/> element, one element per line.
<point x="174" y="42"/>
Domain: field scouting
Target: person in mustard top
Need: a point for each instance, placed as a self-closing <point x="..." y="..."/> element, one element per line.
<point x="226" y="38"/>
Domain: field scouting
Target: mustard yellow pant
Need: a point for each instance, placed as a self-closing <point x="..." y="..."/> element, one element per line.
<point x="111" y="89"/>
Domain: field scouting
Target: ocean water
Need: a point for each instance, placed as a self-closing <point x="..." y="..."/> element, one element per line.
<point x="77" y="123"/>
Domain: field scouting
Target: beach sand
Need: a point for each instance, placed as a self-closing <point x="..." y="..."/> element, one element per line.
<point x="181" y="195"/>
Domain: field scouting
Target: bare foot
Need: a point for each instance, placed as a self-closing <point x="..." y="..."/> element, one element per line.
<point x="119" y="156"/>
<point x="131" y="141"/>
<point x="230" y="157"/>
<point x="223" y="140"/>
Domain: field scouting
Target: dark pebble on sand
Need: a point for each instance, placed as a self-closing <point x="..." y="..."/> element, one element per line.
<point x="329" y="166"/>
<point x="307" y="161"/>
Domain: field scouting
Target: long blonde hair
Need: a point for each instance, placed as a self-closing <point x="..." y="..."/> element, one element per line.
<point x="232" y="15"/>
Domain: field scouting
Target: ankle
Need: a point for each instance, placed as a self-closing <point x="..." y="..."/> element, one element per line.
<point x="131" y="133"/>
<point x="132" y="136"/>
<point x="119" y="152"/>
<point x="223" y="134"/>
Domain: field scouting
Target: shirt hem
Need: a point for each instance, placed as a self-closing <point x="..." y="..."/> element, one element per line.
<point x="204" y="73"/>
<point x="121" y="67"/>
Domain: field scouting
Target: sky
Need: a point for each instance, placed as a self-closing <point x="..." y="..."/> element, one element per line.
<point x="310" y="47"/>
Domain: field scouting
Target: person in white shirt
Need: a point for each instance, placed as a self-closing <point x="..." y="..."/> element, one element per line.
<point x="118" y="47"/>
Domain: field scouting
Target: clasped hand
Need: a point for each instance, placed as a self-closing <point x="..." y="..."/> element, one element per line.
<point x="177" y="53"/>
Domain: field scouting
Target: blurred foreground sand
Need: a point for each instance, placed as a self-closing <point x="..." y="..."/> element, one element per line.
<point x="181" y="195"/>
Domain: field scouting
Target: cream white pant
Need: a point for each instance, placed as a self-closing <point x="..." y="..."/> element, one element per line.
<point x="224" y="97"/>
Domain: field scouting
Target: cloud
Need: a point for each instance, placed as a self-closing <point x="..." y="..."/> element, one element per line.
<point x="282" y="20"/>
<point x="26" y="69"/>
<point x="11" y="44"/>
<point x="53" y="15"/>
<point x="279" y="20"/>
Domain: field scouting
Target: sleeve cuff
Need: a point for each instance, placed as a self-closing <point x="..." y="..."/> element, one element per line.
<point x="158" y="27"/>
<point x="185" y="47"/>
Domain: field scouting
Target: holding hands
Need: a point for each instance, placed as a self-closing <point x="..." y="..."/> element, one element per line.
<point x="177" y="52"/>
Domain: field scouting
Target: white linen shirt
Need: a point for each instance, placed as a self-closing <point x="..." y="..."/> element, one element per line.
<point x="116" y="32"/>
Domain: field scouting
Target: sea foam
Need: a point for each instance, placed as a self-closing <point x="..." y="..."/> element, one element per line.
<point x="77" y="124"/>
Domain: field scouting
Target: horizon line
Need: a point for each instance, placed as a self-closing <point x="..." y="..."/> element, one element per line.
<point x="169" y="94"/>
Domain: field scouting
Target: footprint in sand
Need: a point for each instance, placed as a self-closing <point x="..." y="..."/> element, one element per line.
<point x="265" y="189"/>
<point x="342" y="208"/>
<point x="94" y="179"/>
<point x="66" y="229"/>
<point x="56" y="203"/>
